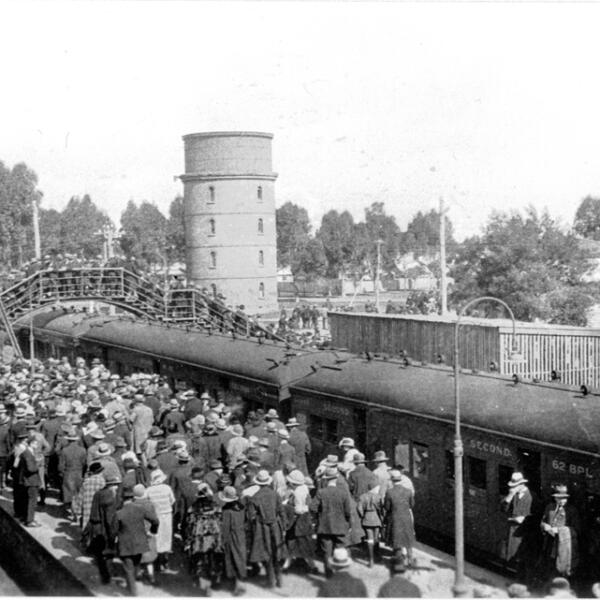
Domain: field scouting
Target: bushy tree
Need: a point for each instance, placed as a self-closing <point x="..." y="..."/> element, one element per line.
<point x="337" y="237"/>
<point x="528" y="261"/>
<point x="144" y="233"/>
<point x="176" y="231"/>
<point x="293" y="234"/>
<point x="587" y="218"/>
<point x="422" y="235"/>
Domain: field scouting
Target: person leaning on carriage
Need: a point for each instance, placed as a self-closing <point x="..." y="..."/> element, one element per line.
<point x="519" y="506"/>
<point x="561" y="527"/>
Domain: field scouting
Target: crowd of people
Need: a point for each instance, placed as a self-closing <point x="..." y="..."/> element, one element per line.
<point x="140" y="467"/>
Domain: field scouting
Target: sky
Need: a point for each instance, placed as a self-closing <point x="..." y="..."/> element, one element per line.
<point x="489" y="105"/>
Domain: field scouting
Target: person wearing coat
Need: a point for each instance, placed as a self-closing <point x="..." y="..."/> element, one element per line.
<point x="233" y="537"/>
<point x="27" y="481"/>
<point x="341" y="584"/>
<point x="131" y="522"/>
<point x="369" y="508"/>
<point x="299" y="440"/>
<point x="398" y="518"/>
<point x="518" y="505"/>
<point x="142" y="419"/>
<point x="161" y="495"/>
<point x="101" y="530"/>
<point x="332" y="507"/>
<point x="72" y="463"/>
<point x="266" y="518"/>
<point x="360" y="477"/>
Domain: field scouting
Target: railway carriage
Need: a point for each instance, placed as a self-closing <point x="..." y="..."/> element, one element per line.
<point x="550" y="433"/>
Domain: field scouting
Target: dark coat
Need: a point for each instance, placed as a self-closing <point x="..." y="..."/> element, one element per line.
<point x="343" y="585"/>
<point x="72" y="461"/>
<point x="518" y="532"/>
<point x="267" y="520"/>
<point x="359" y="480"/>
<point x="167" y="461"/>
<point x="131" y="523"/>
<point x="299" y="440"/>
<point x="193" y="408"/>
<point x="27" y="470"/>
<point x="212" y="448"/>
<point x="103" y="525"/>
<point x="211" y="478"/>
<point x="398" y="519"/>
<point x="5" y="441"/>
<point x="333" y="509"/>
<point x="286" y="455"/>
<point x="266" y="458"/>
<point x="51" y="428"/>
<point x="233" y="537"/>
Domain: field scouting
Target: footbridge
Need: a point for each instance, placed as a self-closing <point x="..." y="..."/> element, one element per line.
<point x="129" y="291"/>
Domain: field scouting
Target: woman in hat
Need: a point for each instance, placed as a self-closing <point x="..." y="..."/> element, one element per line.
<point x="140" y="497"/>
<point x="203" y="544"/>
<point x="561" y="527"/>
<point x="398" y="517"/>
<point x="161" y="495"/>
<point x="299" y="522"/>
<point x="233" y="536"/>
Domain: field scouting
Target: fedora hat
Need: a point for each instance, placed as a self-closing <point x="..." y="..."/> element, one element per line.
<point x="120" y="442"/>
<point x="516" y="479"/>
<point x="395" y="475"/>
<point x="228" y="494"/>
<point x="20" y="412"/>
<point x="97" y="434"/>
<point x="221" y="424"/>
<point x="359" y="458"/>
<point x="380" y="456"/>
<point x="262" y="478"/>
<point x="173" y="403"/>
<point x="346" y="442"/>
<point x="109" y="424"/>
<point x="114" y="479"/>
<point x="237" y="430"/>
<point x="157" y="477"/>
<point x="183" y="455"/>
<point x="332" y="460"/>
<point x="330" y="473"/>
<point x="283" y="434"/>
<point x="103" y="449"/>
<point x="272" y="414"/>
<point x="296" y="477"/>
<point x="72" y="435"/>
<point x="340" y="559"/>
<point x="263" y="442"/>
<point x="272" y="427"/>
<point x="560" y="491"/>
<point x="293" y="422"/>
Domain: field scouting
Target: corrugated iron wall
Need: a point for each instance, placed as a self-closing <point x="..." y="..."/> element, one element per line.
<point x="422" y="340"/>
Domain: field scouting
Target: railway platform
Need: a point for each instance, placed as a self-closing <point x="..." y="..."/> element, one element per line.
<point x="433" y="575"/>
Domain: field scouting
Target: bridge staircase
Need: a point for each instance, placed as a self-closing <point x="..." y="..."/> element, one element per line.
<point x="129" y="291"/>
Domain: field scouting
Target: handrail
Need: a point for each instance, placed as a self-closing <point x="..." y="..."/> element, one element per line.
<point x="126" y="288"/>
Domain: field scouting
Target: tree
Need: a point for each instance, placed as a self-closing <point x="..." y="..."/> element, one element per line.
<point x="587" y="218"/>
<point x="144" y="232"/>
<point x="50" y="230"/>
<point x="176" y="231"/>
<point x="81" y="227"/>
<point x="526" y="260"/>
<point x="337" y="238"/>
<point x="311" y="261"/>
<point x="293" y="234"/>
<point x="422" y="235"/>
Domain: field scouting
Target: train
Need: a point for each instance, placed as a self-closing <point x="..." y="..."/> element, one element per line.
<point x="548" y="431"/>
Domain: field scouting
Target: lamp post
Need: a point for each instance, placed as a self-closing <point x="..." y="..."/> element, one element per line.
<point x="459" y="589"/>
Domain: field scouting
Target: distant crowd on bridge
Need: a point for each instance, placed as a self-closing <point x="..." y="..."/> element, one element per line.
<point x="144" y="470"/>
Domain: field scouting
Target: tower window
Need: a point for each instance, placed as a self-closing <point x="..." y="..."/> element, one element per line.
<point x="260" y="226"/>
<point x="213" y="260"/>
<point x="211" y="193"/>
<point x="261" y="258"/>
<point x="213" y="289"/>
<point x="213" y="227"/>
<point x="261" y="290"/>
<point x="259" y="193"/>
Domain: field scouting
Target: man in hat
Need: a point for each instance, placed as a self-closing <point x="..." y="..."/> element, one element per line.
<point x="193" y="405"/>
<point x="561" y="527"/>
<point x="96" y="437"/>
<point x="382" y="472"/>
<point x="131" y="532"/>
<point x="332" y="508"/>
<point x="213" y="476"/>
<point x="122" y="427"/>
<point x="273" y="417"/>
<point x="173" y="420"/>
<point x="142" y="419"/>
<point x="397" y="511"/>
<point x="266" y="457"/>
<point x="5" y="446"/>
<point x="26" y="481"/>
<point x="518" y="505"/>
<point x="399" y="584"/>
<point x="233" y="537"/>
<point x="285" y="455"/>
<point x="210" y="449"/>
<point x="347" y="465"/>
<point x="341" y="584"/>
<point x="237" y="445"/>
<point x="72" y="462"/>
<point x="266" y="517"/>
<point x="360" y="477"/>
<point x="299" y="440"/>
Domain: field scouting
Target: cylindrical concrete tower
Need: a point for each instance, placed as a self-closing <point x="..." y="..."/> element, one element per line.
<point x="229" y="207"/>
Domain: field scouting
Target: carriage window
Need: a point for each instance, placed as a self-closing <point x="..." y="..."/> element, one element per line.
<point x="324" y="429"/>
<point x="331" y="430"/>
<point x="401" y="455"/>
<point x="420" y="461"/>
<point x="504" y="475"/>
<point x="477" y="473"/>
<point x="449" y="464"/>
<point x="316" y="426"/>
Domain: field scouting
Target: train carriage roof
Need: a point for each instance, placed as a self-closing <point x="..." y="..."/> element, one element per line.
<point x="535" y="412"/>
<point x="267" y="363"/>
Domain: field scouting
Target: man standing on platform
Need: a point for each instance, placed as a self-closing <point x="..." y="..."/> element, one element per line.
<point x="28" y="479"/>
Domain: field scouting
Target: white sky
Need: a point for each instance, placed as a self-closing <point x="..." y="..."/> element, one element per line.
<point x="490" y="105"/>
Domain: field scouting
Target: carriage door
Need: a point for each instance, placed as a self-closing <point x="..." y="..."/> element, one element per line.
<point x="360" y="429"/>
<point x="530" y="464"/>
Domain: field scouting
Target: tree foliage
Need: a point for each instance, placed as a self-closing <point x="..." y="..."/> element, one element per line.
<point x="529" y="262"/>
<point x="293" y="229"/>
<point x="422" y="235"/>
<point x="337" y="236"/>
<point x="144" y="233"/>
<point x="587" y="218"/>
<point x="176" y="231"/>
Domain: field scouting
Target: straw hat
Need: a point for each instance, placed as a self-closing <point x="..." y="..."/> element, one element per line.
<point x="340" y="559"/>
<point x="395" y="475"/>
<point x="103" y="449"/>
<point x="296" y="477"/>
<point x="228" y="494"/>
<point x="262" y="478"/>
<point x="330" y="473"/>
<point x="272" y="414"/>
<point x="516" y="479"/>
<point x="560" y="491"/>
<point x="380" y="456"/>
<point x="293" y="422"/>
<point x="283" y="434"/>
<point x="346" y="442"/>
<point x="359" y="458"/>
<point x="157" y="477"/>
<point x="237" y="430"/>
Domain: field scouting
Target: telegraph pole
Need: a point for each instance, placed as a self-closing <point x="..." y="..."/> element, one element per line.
<point x="443" y="283"/>
<point x="36" y="230"/>
<point x="377" y="273"/>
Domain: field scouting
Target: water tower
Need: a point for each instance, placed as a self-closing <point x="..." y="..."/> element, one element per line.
<point x="229" y="210"/>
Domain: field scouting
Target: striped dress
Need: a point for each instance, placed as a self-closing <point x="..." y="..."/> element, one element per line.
<point x="163" y="499"/>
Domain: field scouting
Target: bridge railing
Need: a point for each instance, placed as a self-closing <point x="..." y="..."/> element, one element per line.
<point x="123" y="287"/>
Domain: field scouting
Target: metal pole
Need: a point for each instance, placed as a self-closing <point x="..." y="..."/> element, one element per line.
<point x="443" y="282"/>
<point x="36" y="231"/>
<point x="459" y="588"/>
<point x="31" y="339"/>
<point x="377" y="274"/>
